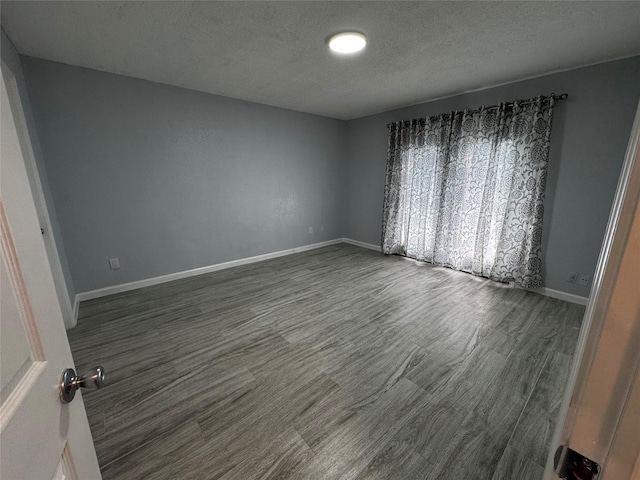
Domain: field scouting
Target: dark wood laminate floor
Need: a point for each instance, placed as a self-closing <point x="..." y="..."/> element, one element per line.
<point x="334" y="363"/>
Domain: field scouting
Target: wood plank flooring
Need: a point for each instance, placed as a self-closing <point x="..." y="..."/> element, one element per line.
<point x="338" y="363"/>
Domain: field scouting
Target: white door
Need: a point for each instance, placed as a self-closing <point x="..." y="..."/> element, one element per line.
<point x="600" y="418"/>
<point x="40" y="438"/>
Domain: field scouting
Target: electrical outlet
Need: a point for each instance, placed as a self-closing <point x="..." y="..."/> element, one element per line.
<point x="114" y="263"/>
<point x="310" y="229"/>
<point x="321" y="228"/>
<point x="572" y="277"/>
<point x="584" y="280"/>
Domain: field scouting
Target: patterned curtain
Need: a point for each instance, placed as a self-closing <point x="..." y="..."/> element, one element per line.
<point x="465" y="190"/>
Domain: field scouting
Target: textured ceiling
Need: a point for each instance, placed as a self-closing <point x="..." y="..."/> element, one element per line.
<point x="275" y="53"/>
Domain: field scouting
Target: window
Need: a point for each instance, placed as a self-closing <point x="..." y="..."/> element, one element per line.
<point x="465" y="190"/>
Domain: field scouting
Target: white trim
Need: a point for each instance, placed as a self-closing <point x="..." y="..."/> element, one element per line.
<point x="597" y="317"/>
<point x="125" y="287"/>
<point x="358" y="243"/>
<point x="549" y="292"/>
<point x="39" y="199"/>
<point x="568" y="297"/>
<point x="76" y="310"/>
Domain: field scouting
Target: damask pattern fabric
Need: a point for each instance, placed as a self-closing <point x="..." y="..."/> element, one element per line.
<point x="465" y="190"/>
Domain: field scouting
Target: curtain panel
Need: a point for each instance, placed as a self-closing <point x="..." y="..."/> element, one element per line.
<point x="465" y="190"/>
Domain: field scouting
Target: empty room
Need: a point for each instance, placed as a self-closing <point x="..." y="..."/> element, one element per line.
<point x="320" y="240"/>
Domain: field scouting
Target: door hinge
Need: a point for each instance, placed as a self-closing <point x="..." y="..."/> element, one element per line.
<point x="570" y="465"/>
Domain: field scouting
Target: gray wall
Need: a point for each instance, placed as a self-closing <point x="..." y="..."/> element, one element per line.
<point x="589" y="139"/>
<point x="169" y="179"/>
<point x="11" y="60"/>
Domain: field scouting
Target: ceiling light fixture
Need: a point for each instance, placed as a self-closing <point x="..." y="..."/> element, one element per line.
<point x="347" y="42"/>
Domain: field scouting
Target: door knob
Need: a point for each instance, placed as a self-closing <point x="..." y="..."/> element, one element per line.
<point x="70" y="382"/>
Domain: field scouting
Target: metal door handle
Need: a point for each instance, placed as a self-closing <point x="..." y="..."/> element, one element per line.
<point x="70" y="382"/>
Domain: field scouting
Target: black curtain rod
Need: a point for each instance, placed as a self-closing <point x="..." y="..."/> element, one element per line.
<point x="562" y="96"/>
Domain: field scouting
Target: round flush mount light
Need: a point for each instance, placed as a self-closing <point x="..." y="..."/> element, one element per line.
<point x="347" y="42"/>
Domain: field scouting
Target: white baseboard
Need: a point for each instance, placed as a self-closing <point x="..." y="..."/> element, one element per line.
<point x="125" y="287"/>
<point x="568" y="297"/>
<point x="75" y="308"/>
<point x="358" y="243"/>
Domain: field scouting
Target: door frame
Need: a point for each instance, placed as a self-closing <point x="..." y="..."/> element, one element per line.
<point x="595" y="369"/>
<point x="69" y="310"/>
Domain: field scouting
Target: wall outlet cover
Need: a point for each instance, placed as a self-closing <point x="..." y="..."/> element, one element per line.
<point x="572" y="277"/>
<point x="114" y="263"/>
<point x="584" y="280"/>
